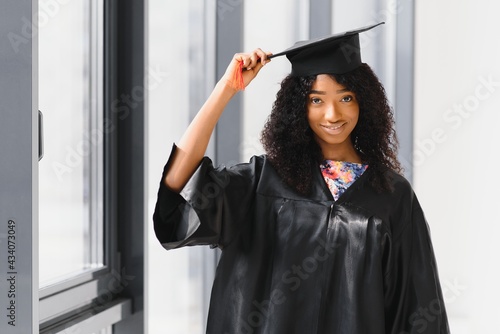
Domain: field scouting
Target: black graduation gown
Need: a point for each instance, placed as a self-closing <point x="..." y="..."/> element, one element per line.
<point x="295" y="264"/>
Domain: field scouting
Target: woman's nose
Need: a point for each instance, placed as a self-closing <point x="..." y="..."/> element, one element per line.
<point x="332" y="114"/>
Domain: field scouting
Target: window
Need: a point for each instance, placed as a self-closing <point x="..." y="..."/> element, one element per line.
<point x="73" y="262"/>
<point x="70" y="98"/>
<point x="71" y="59"/>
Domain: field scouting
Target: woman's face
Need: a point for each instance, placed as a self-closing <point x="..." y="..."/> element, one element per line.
<point x="332" y="112"/>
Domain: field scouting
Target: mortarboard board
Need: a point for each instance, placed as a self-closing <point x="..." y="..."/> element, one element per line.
<point x="334" y="54"/>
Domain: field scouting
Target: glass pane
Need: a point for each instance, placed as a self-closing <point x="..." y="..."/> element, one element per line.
<point x="68" y="171"/>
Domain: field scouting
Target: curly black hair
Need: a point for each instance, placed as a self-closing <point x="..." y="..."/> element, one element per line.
<point x="289" y="141"/>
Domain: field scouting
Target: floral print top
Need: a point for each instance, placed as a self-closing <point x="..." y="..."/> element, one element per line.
<point x="340" y="175"/>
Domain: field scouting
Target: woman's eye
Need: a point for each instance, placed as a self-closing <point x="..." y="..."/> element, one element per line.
<point x="347" y="98"/>
<point x="315" y="100"/>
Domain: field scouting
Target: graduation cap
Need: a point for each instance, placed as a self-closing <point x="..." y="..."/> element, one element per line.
<point x="335" y="54"/>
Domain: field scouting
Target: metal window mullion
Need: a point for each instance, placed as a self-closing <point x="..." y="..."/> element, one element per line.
<point x="320" y="18"/>
<point x="95" y="294"/>
<point x="229" y="40"/>
<point x="96" y="135"/>
<point x="72" y="281"/>
<point x="87" y="124"/>
<point x="93" y="320"/>
<point x="405" y="75"/>
<point x="129" y="57"/>
<point x="66" y="301"/>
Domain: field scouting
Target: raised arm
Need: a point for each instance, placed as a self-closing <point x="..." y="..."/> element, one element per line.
<point x="194" y="142"/>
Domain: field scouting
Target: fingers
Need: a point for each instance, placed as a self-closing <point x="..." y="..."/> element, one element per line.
<point x="251" y="63"/>
<point x="253" y="59"/>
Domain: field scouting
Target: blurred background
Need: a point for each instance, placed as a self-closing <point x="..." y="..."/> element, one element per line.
<point x="439" y="61"/>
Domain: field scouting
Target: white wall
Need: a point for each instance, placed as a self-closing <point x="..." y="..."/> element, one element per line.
<point x="456" y="152"/>
<point x="174" y="283"/>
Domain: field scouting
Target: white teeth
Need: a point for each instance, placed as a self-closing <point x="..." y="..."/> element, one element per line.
<point x="334" y="127"/>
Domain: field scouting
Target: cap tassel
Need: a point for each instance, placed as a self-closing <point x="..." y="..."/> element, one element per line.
<point x="237" y="79"/>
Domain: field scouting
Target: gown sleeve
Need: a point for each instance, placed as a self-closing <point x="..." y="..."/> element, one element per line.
<point x="414" y="300"/>
<point x="211" y="209"/>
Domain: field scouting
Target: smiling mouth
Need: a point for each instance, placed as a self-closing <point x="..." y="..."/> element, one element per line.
<point x="333" y="127"/>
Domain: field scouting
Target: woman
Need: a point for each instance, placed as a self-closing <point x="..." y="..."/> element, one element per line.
<point x="321" y="234"/>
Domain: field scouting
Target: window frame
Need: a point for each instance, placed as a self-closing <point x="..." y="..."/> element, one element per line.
<point x="103" y="297"/>
<point x="113" y="295"/>
<point x="77" y="292"/>
<point x="94" y="254"/>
